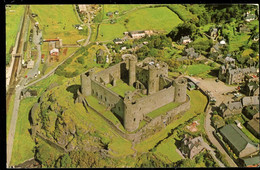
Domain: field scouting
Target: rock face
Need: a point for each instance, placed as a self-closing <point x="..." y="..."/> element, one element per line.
<point x="54" y="118"/>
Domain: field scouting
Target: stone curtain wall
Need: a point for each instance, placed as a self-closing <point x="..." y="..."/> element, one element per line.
<point x="105" y="74"/>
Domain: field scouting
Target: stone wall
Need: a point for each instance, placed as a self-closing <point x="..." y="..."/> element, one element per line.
<point x="106" y="74"/>
<point x="107" y="97"/>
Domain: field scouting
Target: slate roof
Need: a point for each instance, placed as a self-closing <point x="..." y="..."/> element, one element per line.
<point x="234" y="105"/>
<point x="254" y="123"/>
<point x="252" y="161"/>
<point x="235" y="136"/>
<point x="229" y="59"/>
<point x="253" y="100"/>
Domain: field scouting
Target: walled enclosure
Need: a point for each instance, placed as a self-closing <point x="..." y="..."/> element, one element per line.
<point x="149" y="77"/>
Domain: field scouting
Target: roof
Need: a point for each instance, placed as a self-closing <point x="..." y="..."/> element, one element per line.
<point x="117" y="40"/>
<point x="185" y="38"/>
<point x="253" y="100"/>
<point x="54" y="50"/>
<point x="254" y="123"/>
<point x="235" y="136"/>
<point x="252" y="161"/>
<point x="234" y="105"/>
<point x="229" y="59"/>
<point x="137" y="32"/>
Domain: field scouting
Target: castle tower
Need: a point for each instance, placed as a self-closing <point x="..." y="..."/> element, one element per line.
<point x="131" y="116"/>
<point x="86" y="82"/>
<point x="180" y="85"/>
<point x="132" y="69"/>
<point x="153" y="80"/>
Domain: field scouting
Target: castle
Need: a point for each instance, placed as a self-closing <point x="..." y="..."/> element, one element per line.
<point x="152" y="88"/>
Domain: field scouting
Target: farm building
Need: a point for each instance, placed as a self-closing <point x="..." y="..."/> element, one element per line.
<point x="185" y="40"/>
<point x="137" y="34"/>
<point x="54" y="52"/>
<point x="118" y="41"/>
<point x="239" y="143"/>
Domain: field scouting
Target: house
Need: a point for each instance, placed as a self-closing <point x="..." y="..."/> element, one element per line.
<point x="137" y="34"/>
<point x="252" y="100"/>
<point x="253" y="125"/>
<point x="239" y="143"/>
<point x="252" y="88"/>
<point x="251" y="161"/>
<point x="109" y="14"/>
<point x="30" y="64"/>
<point x="28" y="93"/>
<point x="222" y="42"/>
<point x="100" y="58"/>
<point x="116" y="12"/>
<point x="82" y="8"/>
<point x="185" y="39"/>
<point x="191" y="86"/>
<point x="250" y="17"/>
<point x="190" y="53"/>
<point x="244" y="29"/>
<point x="230" y="108"/>
<point x="191" y="147"/>
<point x="213" y="32"/>
<point x="118" y="41"/>
<point x="54" y="52"/>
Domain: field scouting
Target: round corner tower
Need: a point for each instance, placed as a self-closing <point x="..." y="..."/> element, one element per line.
<point x="86" y="82"/>
<point x="180" y="85"/>
<point x="132" y="69"/>
<point x="131" y="116"/>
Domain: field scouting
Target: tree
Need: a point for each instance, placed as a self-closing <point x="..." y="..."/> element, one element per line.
<point x="217" y="121"/>
<point x="66" y="161"/>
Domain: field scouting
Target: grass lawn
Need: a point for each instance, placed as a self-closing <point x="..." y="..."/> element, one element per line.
<point x="162" y="110"/>
<point x="168" y="148"/>
<point x="13" y="20"/>
<point x="58" y="21"/>
<point x="9" y="114"/>
<point x="195" y="69"/>
<point x="121" y="88"/>
<point x="102" y="109"/>
<point x="249" y="134"/>
<point x="198" y="103"/>
<point x="141" y="19"/>
<point x="23" y="144"/>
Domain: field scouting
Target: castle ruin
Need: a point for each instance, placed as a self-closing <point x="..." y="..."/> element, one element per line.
<point x="152" y="89"/>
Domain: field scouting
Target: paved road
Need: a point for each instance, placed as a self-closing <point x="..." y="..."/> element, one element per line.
<point x="209" y="130"/>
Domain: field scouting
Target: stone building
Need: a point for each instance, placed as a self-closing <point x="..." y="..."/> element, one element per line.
<point x="230" y="108"/>
<point x="191" y="147"/>
<point x="100" y="57"/>
<point x="239" y="143"/>
<point x="231" y="74"/>
<point x="137" y="34"/>
<point x="150" y="81"/>
<point x="254" y="125"/>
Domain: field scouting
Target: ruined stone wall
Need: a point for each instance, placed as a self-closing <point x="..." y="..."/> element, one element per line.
<point x="158" y="123"/>
<point x="142" y="75"/>
<point x="107" y="97"/>
<point x="106" y="74"/>
<point x="164" y="82"/>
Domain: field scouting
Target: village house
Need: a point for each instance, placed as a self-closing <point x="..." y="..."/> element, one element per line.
<point x="239" y="143"/>
<point x="54" y="52"/>
<point x="82" y="8"/>
<point x="30" y="64"/>
<point x="110" y="14"/>
<point x="256" y="37"/>
<point x="249" y="101"/>
<point x="100" y="58"/>
<point x="230" y="108"/>
<point x="190" y="53"/>
<point x="191" y="147"/>
<point x="249" y="17"/>
<point x="253" y="125"/>
<point x="251" y="161"/>
<point x="28" y="93"/>
<point x="118" y="41"/>
<point x="244" y="29"/>
<point x="185" y="40"/>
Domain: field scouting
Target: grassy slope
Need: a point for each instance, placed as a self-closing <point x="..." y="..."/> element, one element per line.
<point x="12" y="25"/>
<point x="198" y="103"/>
<point x="57" y="17"/>
<point x="23" y="143"/>
<point x="149" y="18"/>
<point x="162" y="110"/>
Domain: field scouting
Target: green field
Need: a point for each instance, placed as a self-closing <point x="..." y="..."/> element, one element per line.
<point x="195" y="69"/>
<point x="198" y="103"/>
<point x="58" y="21"/>
<point x="168" y="149"/>
<point x="13" y="20"/>
<point x="23" y="144"/>
<point x="160" y="19"/>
